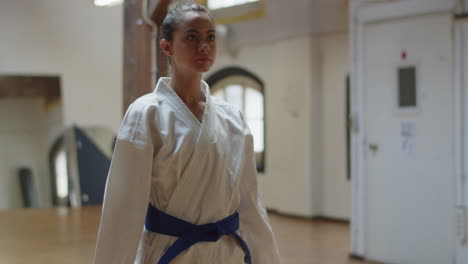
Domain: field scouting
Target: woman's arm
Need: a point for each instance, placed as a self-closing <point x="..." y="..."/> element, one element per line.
<point x="127" y="191"/>
<point x="255" y="226"/>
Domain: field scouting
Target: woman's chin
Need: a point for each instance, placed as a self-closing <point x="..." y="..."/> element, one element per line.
<point x="203" y="69"/>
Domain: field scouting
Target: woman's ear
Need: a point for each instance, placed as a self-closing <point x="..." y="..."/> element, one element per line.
<point x="166" y="47"/>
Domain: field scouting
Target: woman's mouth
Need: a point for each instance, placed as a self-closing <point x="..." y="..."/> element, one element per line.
<point x="202" y="60"/>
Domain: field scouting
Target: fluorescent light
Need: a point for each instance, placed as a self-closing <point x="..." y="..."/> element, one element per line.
<point x="107" y="2"/>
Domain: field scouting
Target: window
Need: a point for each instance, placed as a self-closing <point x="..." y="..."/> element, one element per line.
<point x="107" y="2"/>
<point x="217" y="4"/>
<point x="407" y="87"/>
<point x="245" y="92"/>
<point x="59" y="173"/>
<point x="232" y="11"/>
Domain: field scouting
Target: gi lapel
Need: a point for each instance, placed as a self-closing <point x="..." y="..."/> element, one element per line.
<point x="201" y="149"/>
<point x="193" y="169"/>
<point x="177" y="104"/>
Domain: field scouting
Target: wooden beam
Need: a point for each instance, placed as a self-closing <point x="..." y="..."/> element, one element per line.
<point x="30" y="86"/>
<point x="137" y="54"/>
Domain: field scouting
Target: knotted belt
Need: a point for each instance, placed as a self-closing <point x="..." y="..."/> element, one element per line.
<point x="190" y="234"/>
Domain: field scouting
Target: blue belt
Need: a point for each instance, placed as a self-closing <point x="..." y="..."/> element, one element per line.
<point x="190" y="234"/>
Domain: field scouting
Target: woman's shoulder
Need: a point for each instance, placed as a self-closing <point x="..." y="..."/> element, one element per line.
<point x="144" y="103"/>
<point x="139" y="120"/>
<point x="143" y="108"/>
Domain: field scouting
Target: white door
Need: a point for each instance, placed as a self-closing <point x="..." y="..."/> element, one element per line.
<point x="409" y="173"/>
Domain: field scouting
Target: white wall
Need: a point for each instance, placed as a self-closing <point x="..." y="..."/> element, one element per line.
<point x="335" y="188"/>
<point x="289" y="71"/>
<point x="74" y="40"/>
<point x="53" y="127"/>
<point x="25" y="135"/>
<point x="20" y="147"/>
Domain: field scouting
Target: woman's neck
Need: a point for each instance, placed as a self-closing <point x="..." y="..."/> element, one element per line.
<point x="187" y="87"/>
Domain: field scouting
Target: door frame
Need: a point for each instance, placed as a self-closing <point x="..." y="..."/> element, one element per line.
<point x="361" y="13"/>
<point x="460" y="36"/>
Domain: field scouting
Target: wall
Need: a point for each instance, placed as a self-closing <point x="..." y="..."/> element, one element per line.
<point x="25" y="139"/>
<point x="288" y="69"/>
<point x="335" y="188"/>
<point x="74" y="40"/>
<point x="53" y="129"/>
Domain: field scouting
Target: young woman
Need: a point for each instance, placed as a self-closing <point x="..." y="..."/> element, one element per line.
<point x="184" y="168"/>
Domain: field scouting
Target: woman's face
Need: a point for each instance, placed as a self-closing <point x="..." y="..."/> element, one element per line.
<point x="193" y="44"/>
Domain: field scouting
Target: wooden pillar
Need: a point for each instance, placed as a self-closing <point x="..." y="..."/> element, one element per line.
<point x="137" y="49"/>
<point x="158" y="14"/>
<point x="137" y="54"/>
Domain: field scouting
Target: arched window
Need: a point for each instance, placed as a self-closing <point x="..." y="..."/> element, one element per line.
<point x="59" y="173"/>
<point x="245" y="91"/>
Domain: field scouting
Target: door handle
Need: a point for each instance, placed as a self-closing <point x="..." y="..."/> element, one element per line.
<point x="373" y="147"/>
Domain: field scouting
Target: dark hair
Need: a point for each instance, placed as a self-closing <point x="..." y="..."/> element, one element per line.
<point x="175" y="16"/>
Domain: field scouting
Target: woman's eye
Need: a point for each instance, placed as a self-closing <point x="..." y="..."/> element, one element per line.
<point x="192" y="37"/>
<point x="211" y="37"/>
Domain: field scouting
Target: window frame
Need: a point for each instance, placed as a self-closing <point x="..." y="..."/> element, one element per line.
<point x="224" y="75"/>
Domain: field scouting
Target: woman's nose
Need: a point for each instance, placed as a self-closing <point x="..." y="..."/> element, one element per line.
<point x="203" y="46"/>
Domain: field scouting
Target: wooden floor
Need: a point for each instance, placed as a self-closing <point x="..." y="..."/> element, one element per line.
<point x="306" y="241"/>
<point x="57" y="236"/>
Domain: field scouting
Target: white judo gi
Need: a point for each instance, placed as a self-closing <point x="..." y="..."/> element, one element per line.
<point x="198" y="172"/>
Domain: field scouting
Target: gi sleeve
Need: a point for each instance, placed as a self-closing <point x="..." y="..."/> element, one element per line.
<point x="127" y="190"/>
<point x="255" y="226"/>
